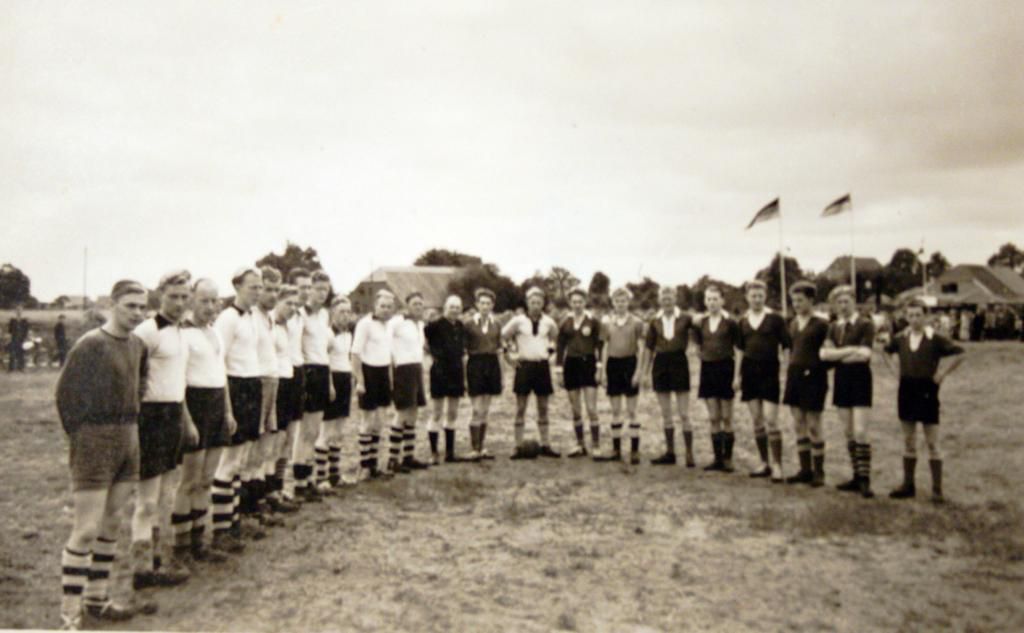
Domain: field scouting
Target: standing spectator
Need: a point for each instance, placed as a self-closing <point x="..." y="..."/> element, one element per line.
<point x="18" y="331"/>
<point x="60" y="339"/>
<point x="978" y="325"/>
<point x="966" y="323"/>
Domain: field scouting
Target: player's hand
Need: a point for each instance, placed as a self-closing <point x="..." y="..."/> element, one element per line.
<point x="360" y="388"/>
<point x="333" y="394"/>
<point x="231" y="423"/>
<point x="939" y="377"/>
<point x="191" y="434"/>
<point x="635" y="380"/>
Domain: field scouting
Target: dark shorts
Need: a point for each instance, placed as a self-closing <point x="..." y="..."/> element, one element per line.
<point x="447" y="380"/>
<point x="299" y="376"/>
<point x="918" y="400"/>
<point x="533" y="376"/>
<point x="206" y="406"/>
<point x="246" y="399"/>
<point x="268" y="404"/>
<point x="408" y="391"/>
<point x="806" y="388"/>
<point x="759" y="380"/>
<point x="318" y="387"/>
<point x="483" y="375"/>
<point x="378" y="388"/>
<point x="716" y="378"/>
<point x="103" y="454"/>
<point x="670" y="372"/>
<point x="852" y="386"/>
<point x="289" y="402"/>
<point x="341" y="406"/>
<point x="161" y="438"/>
<point x="619" y="373"/>
<point x="579" y="372"/>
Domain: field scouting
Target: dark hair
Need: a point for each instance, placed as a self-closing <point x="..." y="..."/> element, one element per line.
<point x="713" y="288"/>
<point x="755" y="284"/>
<point x="270" y="274"/>
<point x="126" y="287"/>
<point x="319" y="276"/>
<point x="297" y="273"/>
<point x="916" y="303"/>
<point x="804" y="288"/>
<point x="413" y="295"/>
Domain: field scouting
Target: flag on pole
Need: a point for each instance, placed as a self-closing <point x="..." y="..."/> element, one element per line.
<point x="769" y="211"/>
<point x="841" y="205"/>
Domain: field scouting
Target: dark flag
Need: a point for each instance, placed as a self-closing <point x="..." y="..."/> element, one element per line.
<point x="769" y="211"/>
<point x="841" y="205"/>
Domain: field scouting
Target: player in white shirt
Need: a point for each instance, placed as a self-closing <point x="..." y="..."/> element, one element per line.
<point x="286" y="412"/>
<point x="316" y="336"/>
<point x="303" y="282"/>
<point x="165" y="427"/>
<point x="328" y="444"/>
<point x="534" y="334"/>
<point x="407" y="345"/>
<point x="371" y="370"/>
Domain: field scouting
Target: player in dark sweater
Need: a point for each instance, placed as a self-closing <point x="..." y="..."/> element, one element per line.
<point x="98" y="399"/>
<point x="718" y="336"/>
<point x="763" y="336"/>
<point x="921" y="350"/>
<point x="807" y="384"/>
<point x="578" y="345"/>
<point x="848" y="347"/>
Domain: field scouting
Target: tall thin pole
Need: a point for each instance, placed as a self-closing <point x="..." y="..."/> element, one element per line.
<point x="853" y="260"/>
<point x="85" y="277"/>
<point x="782" y="267"/>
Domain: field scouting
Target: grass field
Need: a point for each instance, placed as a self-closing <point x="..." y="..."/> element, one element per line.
<point x="581" y="546"/>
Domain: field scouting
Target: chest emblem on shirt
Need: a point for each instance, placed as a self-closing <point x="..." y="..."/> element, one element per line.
<point x="586" y="330"/>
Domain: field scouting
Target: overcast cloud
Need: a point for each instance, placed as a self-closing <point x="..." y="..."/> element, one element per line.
<point x="634" y="138"/>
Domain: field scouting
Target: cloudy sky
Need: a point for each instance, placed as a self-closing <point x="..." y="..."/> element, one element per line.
<point x="637" y="138"/>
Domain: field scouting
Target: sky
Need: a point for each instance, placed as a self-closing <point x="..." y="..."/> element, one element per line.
<point x="637" y="138"/>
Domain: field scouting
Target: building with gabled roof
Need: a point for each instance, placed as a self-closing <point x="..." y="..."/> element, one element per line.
<point x="430" y="281"/>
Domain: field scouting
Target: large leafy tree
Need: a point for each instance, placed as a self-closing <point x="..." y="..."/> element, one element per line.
<point x="15" y="287"/>
<point x="902" y="272"/>
<point x="558" y="282"/>
<point x="599" y="289"/>
<point x="1010" y="256"/>
<point x="645" y="293"/>
<point x="937" y="265"/>
<point x="732" y="295"/>
<point x="293" y="256"/>
<point x="445" y="257"/>
<point x="508" y="295"/>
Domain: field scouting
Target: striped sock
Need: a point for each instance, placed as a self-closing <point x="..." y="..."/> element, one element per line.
<point x="96" y="589"/>
<point x="395" y="442"/>
<point x="364" y="450"/>
<point x="321" y="464"/>
<point x="198" y="527"/>
<point x="408" y="440"/>
<point x="236" y="503"/>
<point x="374" y="450"/>
<point x="863" y="466"/>
<point x="851" y="448"/>
<point x="74" y="576"/>
<point x="334" y="463"/>
<point x="616" y="430"/>
<point x="818" y="456"/>
<point x="288" y="476"/>
<point x="299" y="471"/>
<point x="223" y="501"/>
<point x="181" y="524"/>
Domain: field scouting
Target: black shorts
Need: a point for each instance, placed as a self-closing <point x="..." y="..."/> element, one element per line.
<point x="103" y="454"/>
<point x="246" y="400"/>
<point x="299" y="376"/>
<point x="716" y="378"/>
<point x="579" y="372"/>
<point x="447" y="380"/>
<point x="289" y="402"/>
<point x="318" y="387"/>
<point x="377" y="382"/>
<point x="670" y="372"/>
<point x="533" y="376"/>
<point x="483" y="375"/>
<point x="806" y="388"/>
<point x="918" y="400"/>
<point x="619" y="373"/>
<point x="759" y="380"/>
<point x="408" y="391"/>
<point x="161" y="436"/>
<point x="852" y="386"/>
<point x="206" y="406"/>
<point x="341" y="406"/>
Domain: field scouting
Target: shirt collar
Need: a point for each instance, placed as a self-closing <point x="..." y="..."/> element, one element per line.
<point x="850" y="321"/>
<point x="928" y="332"/>
<point x="239" y="309"/>
<point x="676" y="313"/>
<point x="162" y="321"/>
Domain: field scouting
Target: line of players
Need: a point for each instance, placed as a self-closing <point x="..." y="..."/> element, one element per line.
<point x="242" y="409"/>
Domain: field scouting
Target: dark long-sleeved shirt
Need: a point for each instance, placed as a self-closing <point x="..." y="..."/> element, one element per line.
<point x="763" y="342"/>
<point x="924" y="361"/>
<point x="18" y="329"/>
<point x="660" y="342"/>
<point x="807" y="342"/>
<point x="446" y="341"/>
<point x="574" y="342"/>
<point x="480" y="342"/>
<point x="717" y="345"/>
<point x="102" y="381"/>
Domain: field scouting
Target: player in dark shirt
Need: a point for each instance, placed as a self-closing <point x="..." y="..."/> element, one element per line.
<point x="18" y="329"/>
<point x="578" y="344"/>
<point x="848" y="347"/>
<point x="446" y="340"/>
<point x="807" y="384"/>
<point x="920" y="351"/>
<point x="763" y="336"/>
<point x="717" y="336"/>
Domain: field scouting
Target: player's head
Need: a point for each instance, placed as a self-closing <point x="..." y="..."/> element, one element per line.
<point x="384" y="305"/>
<point x="916" y="313"/>
<point x="271" y="285"/>
<point x="341" y="312"/>
<point x="129" y="309"/>
<point x="320" y="289"/>
<point x="205" y="302"/>
<point x="303" y="280"/>
<point x="757" y="292"/>
<point x="247" y="283"/>
<point x="802" y="295"/>
<point x="843" y="300"/>
<point x="535" y="300"/>
<point x="414" y="305"/>
<point x="621" y="298"/>
<point x="287" y="302"/>
<point x="452" y="307"/>
<point x="484" y="300"/>
<point x="577" y="299"/>
<point x="713" y="298"/>
<point x="667" y="298"/>
<point x="175" y="290"/>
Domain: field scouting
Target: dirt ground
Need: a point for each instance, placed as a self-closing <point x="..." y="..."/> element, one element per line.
<point x="560" y="545"/>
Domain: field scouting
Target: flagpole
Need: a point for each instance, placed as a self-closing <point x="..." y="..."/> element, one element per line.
<point x="782" y="265"/>
<point x="85" y="277"/>
<point x="853" y="261"/>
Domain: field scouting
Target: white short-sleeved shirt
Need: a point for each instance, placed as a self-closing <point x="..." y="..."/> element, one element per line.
<point x="167" y="359"/>
<point x="285" y="369"/>
<point x="316" y="333"/>
<point x="265" y="349"/>
<point x="295" y="325"/>
<point x="205" y="368"/>
<point x="341" y="351"/>
<point x="372" y="342"/>
<point x="407" y="340"/>
<point x="237" y="329"/>
<point x="531" y="345"/>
